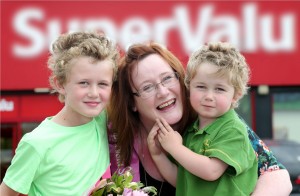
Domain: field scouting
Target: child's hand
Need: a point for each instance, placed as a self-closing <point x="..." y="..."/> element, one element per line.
<point x="153" y="143"/>
<point x="167" y="137"/>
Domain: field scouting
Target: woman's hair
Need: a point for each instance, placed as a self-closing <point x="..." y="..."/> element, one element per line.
<point x="79" y="44"/>
<point x="231" y="64"/>
<point x="125" y="121"/>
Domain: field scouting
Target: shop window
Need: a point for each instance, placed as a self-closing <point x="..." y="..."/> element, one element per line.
<point x="286" y="115"/>
<point x="29" y="126"/>
<point x="9" y="139"/>
<point x="6" y="151"/>
<point x="244" y="109"/>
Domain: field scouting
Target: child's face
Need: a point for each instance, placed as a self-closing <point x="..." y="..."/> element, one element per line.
<point x="87" y="89"/>
<point x="210" y="96"/>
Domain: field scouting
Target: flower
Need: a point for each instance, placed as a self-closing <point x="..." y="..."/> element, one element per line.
<point x="121" y="184"/>
<point x="130" y="192"/>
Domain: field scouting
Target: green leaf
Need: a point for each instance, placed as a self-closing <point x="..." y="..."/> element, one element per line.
<point x="117" y="190"/>
<point x="150" y="189"/>
<point x="119" y="180"/>
<point x="99" y="192"/>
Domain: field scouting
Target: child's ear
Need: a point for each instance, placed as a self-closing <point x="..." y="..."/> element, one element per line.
<point x="237" y="97"/>
<point x="59" y="87"/>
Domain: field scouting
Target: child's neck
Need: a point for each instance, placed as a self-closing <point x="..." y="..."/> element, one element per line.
<point x="67" y="119"/>
<point x="203" y="121"/>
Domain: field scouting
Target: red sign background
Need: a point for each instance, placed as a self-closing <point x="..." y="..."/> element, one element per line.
<point x="280" y="66"/>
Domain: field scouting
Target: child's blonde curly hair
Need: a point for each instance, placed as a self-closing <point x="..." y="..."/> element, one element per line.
<point x="79" y="44"/>
<point x="231" y="63"/>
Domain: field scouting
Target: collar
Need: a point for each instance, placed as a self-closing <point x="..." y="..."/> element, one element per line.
<point x="195" y="126"/>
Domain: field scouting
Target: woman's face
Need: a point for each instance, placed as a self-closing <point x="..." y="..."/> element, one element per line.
<point x="166" y="102"/>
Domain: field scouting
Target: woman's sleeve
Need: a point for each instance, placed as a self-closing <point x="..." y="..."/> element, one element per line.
<point x="266" y="160"/>
<point x="274" y="183"/>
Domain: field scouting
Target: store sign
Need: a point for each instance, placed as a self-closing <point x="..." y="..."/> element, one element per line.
<point x="241" y="30"/>
<point x="28" y="107"/>
<point x="266" y="32"/>
<point x="9" y="106"/>
<point x="6" y="105"/>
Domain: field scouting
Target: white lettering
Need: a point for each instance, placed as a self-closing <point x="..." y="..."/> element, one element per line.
<point x="249" y="32"/>
<point x="227" y="28"/>
<point x="135" y="30"/>
<point x="22" y="27"/>
<point x="161" y="27"/>
<point x="190" y="41"/>
<point x="74" y="25"/>
<point x="286" y="43"/>
<point x="6" y="106"/>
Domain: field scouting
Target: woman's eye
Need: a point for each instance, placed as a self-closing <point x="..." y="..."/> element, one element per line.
<point x="167" y="78"/>
<point x="147" y="88"/>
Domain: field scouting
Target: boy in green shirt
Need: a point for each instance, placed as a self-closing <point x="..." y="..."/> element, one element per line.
<point x="215" y="156"/>
<point x="68" y="153"/>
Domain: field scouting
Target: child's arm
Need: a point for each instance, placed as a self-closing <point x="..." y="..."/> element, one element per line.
<point x="204" y="167"/>
<point x="167" y="169"/>
<point x="6" y="191"/>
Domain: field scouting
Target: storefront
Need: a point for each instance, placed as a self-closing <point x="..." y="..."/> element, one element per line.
<point x="267" y="33"/>
<point x="21" y="114"/>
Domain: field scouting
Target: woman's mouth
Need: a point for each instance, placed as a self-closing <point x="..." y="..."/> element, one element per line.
<point x="166" y="104"/>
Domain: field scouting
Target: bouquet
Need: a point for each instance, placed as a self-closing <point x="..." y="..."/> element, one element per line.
<point x="120" y="184"/>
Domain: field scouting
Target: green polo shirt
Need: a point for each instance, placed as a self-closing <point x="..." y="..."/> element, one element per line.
<point x="226" y="139"/>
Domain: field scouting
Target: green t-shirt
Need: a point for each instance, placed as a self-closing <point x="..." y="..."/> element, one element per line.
<point x="226" y="139"/>
<point x="57" y="160"/>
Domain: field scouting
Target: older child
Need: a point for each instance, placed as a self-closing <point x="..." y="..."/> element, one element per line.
<point x="68" y="153"/>
<point x="216" y="156"/>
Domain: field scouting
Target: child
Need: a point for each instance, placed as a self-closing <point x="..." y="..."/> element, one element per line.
<point x="216" y="157"/>
<point x="68" y="153"/>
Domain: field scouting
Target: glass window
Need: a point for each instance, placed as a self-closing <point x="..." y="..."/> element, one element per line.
<point x="29" y="126"/>
<point x="8" y="137"/>
<point x="6" y="147"/>
<point x="286" y="116"/>
<point x="244" y="109"/>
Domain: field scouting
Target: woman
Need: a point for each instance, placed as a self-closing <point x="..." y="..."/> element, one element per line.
<point x="150" y="84"/>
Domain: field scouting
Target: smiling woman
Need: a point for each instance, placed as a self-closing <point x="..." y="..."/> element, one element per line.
<point x="157" y="75"/>
<point x="132" y="117"/>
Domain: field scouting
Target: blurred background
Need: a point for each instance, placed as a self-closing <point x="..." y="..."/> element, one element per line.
<point x="266" y="32"/>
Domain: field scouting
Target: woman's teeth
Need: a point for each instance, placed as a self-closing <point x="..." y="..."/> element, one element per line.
<point x="166" y="104"/>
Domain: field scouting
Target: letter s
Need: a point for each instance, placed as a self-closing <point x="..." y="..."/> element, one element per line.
<point x="22" y="27"/>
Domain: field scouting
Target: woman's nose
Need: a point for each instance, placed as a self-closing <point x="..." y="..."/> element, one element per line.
<point x="161" y="90"/>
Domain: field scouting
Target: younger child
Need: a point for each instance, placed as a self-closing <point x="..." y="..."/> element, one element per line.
<point x="216" y="157"/>
<point x="68" y="153"/>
